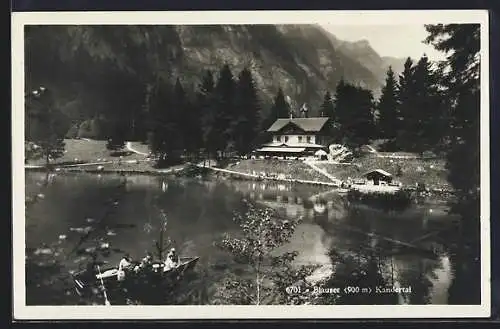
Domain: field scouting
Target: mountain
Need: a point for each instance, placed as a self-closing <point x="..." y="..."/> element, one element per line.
<point x="91" y="68"/>
<point x="362" y="52"/>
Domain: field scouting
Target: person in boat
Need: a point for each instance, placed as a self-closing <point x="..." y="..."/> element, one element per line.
<point x="124" y="266"/>
<point x="172" y="260"/>
<point x="145" y="263"/>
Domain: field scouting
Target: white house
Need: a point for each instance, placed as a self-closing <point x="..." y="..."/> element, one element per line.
<point x="296" y="137"/>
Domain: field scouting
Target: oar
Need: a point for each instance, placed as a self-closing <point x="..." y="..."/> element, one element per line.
<point x="106" y="301"/>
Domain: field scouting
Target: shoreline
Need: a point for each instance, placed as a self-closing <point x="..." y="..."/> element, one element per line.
<point x="215" y="171"/>
<point x="159" y="172"/>
<point x="74" y="169"/>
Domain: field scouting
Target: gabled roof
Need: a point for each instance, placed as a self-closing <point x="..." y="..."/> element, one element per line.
<point x="278" y="144"/>
<point x="380" y="171"/>
<point x="306" y="124"/>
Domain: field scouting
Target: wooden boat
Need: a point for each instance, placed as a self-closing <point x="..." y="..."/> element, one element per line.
<point x="155" y="275"/>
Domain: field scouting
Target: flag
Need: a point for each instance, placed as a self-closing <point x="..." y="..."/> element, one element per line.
<point x="304" y="108"/>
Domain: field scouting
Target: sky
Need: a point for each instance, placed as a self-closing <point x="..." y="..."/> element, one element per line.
<point x="398" y="41"/>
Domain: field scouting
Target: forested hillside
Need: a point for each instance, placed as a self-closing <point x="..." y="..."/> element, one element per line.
<point x="95" y="70"/>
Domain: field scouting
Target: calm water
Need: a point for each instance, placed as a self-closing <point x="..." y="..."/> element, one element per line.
<point x="200" y="212"/>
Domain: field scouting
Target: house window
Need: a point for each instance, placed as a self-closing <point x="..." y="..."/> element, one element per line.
<point x="309" y="139"/>
<point x="286" y="139"/>
<point x="300" y="139"/>
<point x="278" y="138"/>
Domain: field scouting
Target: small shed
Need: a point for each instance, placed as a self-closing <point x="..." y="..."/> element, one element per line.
<point x="378" y="175"/>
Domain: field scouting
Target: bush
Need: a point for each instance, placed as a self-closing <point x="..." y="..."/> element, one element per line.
<point x="165" y="161"/>
<point x="114" y="144"/>
<point x="193" y="171"/>
<point x="386" y="201"/>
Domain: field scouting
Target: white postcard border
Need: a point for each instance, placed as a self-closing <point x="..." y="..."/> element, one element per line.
<point x="386" y="17"/>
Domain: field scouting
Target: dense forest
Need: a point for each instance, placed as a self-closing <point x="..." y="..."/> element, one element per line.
<point x="126" y="84"/>
<point x="79" y="63"/>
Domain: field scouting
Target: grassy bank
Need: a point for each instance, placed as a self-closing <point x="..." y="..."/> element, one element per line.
<point x="408" y="171"/>
<point x="83" y="150"/>
<point x="291" y="169"/>
<point x="431" y="172"/>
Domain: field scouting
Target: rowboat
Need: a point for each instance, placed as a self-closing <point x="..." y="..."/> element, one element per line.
<point x="156" y="274"/>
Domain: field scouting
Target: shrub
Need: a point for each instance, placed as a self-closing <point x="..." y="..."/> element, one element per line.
<point x="386" y="201"/>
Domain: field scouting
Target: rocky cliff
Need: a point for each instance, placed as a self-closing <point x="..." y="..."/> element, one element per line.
<point x="304" y="60"/>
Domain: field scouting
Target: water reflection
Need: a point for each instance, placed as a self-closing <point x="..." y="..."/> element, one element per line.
<point x="351" y="244"/>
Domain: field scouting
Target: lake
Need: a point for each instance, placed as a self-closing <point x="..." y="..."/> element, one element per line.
<point x="199" y="212"/>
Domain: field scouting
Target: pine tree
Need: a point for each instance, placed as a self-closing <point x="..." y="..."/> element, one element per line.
<point x="327" y="109"/>
<point x="341" y="106"/>
<point x="421" y="107"/>
<point x="388" y="122"/>
<point x="363" y="117"/>
<point x="430" y="116"/>
<point x="354" y="109"/>
<point x="46" y="126"/>
<point x="406" y="92"/>
<point x="205" y="103"/>
<point x="460" y="79"/>
<point x="192" y="129"/>
<point x="280" y="108"/>
<point x="116" y="134"/>
<point x="179" y="116"/>
<point x="164" y="131"/>
<point x="247" y="104"/>
<point x="224" y="93"/>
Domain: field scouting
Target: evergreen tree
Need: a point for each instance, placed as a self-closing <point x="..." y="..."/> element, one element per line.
<point x="179" y="116"/>
<point x="46" y="124"/>
<point x="224" y="93"/>
<point x="247" y="103"/>
<point x="280" y="109"/>
<point x="422" y="108"/>
<point x="354" y="109"/>
<point x="341" y="105"/>
<point x="430" y="115"/>
<point x="460" y="79"/>
<point x="116" y="135"/>
<point x="327" y="109"/>
<point x="364" y="123"/>
<point x="388" y="121"/>
<point x="205" y="103"/>
<point x="163" y="124"/>
<point x="406" y="92"/>
<point x="192" y="130"/>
